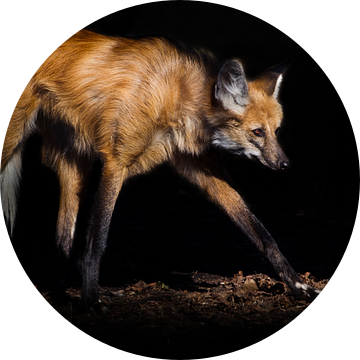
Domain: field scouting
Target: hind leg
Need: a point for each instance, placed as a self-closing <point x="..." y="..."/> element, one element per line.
<point x="72" y="182"/>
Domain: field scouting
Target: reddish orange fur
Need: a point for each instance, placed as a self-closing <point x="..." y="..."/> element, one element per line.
<point x="136" y="103"/>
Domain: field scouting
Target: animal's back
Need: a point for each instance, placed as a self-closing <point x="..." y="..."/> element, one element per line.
<point x="120" y="88"/>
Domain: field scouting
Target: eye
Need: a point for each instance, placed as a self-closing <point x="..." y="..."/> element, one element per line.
<point x="258" y="132"/>
<point x="277" y="130"/>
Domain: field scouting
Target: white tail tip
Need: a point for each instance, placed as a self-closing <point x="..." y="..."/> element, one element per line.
<point x="9" y="185"/>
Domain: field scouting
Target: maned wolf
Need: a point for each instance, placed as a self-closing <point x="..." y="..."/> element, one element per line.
<point x="136" y="103"/>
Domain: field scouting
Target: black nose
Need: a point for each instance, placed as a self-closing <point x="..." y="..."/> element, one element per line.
<point x="284" y="165"/>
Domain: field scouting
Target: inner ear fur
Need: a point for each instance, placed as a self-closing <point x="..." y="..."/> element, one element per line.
<point x="231" y="88"/>
<point x="271" y="80"/>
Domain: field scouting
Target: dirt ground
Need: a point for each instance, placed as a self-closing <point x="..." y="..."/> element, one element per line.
<point x="193" y="315"/>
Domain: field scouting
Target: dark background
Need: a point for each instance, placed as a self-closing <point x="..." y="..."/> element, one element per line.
<point x="163" y="224"/>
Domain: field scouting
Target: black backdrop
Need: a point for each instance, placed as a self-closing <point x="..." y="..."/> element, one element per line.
<point x="318" y="136"/>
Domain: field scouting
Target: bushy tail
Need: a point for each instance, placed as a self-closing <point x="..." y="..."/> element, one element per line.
<point x="21" y="125"/>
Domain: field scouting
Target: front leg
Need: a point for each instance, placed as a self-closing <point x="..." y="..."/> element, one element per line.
<point x="207" y="173"/>
<point x="97" y="232"/>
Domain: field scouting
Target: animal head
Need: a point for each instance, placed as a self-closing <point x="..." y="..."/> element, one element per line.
<point x="250" y="115"/>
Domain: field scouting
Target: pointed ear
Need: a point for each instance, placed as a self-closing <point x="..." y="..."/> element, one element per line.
<point x="232" y="89"/>
<point x="271" y="80"/>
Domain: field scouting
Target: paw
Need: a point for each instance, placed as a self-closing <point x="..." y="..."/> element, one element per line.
<point x="304" y="291"/>
<point x="100" y="308"/>
<point x="96" y="308"/>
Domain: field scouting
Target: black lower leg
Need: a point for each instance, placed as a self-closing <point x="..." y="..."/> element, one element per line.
<point x="96" y="237"/>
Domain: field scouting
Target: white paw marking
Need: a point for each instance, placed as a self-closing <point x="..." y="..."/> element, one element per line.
<point x="306" y="288"/>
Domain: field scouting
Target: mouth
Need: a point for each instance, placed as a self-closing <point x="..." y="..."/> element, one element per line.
<point x="269" y="164"/>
